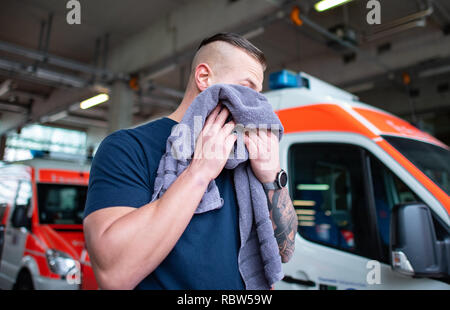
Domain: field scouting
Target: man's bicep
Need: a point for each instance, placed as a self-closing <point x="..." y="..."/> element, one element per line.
<point x="95" y="225"/>
<point x="97" y="222"/>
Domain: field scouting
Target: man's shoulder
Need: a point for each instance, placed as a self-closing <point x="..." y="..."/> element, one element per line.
<point x="155" y="128"/>
<point x="121" y="170"/>
<point x="163" y="123"/>
<point x="138" y="141"/>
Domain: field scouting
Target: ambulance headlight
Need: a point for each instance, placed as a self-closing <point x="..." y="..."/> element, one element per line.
<point x="59" y="262"/>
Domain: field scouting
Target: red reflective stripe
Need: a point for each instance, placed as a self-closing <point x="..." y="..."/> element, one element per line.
<point x="389" y="124"/>
<point x="321" y="117"/>
<point x="5" y="215"/>
<point x="63" y="176"/>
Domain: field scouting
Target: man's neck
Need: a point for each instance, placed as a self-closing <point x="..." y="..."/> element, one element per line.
<point x="178" y="114"/>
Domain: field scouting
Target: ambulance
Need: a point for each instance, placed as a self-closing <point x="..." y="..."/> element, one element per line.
<point x="41" y="234"/>
<point x="371" y="192"/>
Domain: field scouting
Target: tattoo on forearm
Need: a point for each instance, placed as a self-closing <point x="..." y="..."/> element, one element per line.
<point x="284" y="221"/>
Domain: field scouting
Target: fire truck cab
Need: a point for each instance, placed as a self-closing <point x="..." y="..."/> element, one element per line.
<point x="371" y="192"/>
<point x="41" y="233"/>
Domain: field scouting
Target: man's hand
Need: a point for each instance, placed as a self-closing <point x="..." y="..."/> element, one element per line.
<point x="263" y="149"/>
<point x="214" y="145"/>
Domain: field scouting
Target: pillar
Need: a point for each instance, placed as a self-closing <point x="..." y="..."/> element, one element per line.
<point x="120" y="107"/>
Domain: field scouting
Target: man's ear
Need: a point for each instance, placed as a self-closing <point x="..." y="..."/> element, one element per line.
<point x="203" y="76"/>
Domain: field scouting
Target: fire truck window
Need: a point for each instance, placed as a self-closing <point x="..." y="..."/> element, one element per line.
<point x="24" y="194"/>
<point x="8" y="190"/>
<point x="388" y="190"/>
<point x="61" y="204"/>
<point x="326" y="184"/>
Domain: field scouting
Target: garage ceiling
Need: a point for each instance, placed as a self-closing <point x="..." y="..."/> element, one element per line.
<point x="285" y="45"/>
<point x="20" y="22"/>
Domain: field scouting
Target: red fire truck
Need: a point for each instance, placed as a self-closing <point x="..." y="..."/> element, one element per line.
<point x="41" y="234"/>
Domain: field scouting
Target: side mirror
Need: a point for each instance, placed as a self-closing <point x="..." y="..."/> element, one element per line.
<point x="19" y="217"/>
<point x="414" y="248"/>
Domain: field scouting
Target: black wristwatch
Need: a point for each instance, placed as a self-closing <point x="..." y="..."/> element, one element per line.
<point x="279" y="183"/>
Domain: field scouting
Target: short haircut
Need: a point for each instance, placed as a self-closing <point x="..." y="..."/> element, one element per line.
<point x="238" y="41"/>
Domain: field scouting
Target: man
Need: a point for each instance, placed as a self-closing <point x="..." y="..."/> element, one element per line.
<point x="162" y="245"/>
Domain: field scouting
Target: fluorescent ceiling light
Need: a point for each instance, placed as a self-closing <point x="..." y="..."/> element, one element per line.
<point x="306" y="218"/>
<point x="160" y="72"/>
<point x="328" y="4"/>
<point x="303" y="223"/>
<point x="55" y="117"/>
<point x="360" y="87"/>
<point x="313" y="187"/>
<point x="86" y="104"/>
<point x="434" y="71"/>
<point x="305" y="211"/>
<point x="254" y="33"/>
<point x="5" y="87"/>
<point x="304" y="203"/>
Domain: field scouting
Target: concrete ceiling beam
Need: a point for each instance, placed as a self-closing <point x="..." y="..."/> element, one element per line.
<point x="183" y="28"/>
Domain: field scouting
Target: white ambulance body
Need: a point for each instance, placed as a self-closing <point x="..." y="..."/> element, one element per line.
<point x="351" y="167"/>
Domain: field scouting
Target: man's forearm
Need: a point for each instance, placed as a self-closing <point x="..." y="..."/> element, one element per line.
<point x="284" y="221"/>
<point x="149" y="232"/>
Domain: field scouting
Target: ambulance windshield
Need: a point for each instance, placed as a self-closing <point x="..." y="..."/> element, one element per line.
<point x="61" y="204"/>
<point x="431" y="159"/>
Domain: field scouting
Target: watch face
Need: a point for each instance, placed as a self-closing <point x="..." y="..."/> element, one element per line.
<point x="282" y="179"/>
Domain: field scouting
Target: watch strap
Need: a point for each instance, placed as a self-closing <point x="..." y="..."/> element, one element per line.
<point x="271" y="185"/>
<point x="275" y="185"/>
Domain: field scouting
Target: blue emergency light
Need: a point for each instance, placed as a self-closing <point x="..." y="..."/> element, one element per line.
<point x="39" y="153"/>
<point x="287" y="79"/>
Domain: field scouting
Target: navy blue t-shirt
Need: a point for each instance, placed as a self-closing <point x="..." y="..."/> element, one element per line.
<point x="123" y="173"/>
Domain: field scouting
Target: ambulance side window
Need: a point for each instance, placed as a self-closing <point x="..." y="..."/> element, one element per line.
<point x="326" y="182"/>
<point x="388" y="191"/>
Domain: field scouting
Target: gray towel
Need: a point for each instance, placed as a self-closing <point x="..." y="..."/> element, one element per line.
<point x="259" y="259"/>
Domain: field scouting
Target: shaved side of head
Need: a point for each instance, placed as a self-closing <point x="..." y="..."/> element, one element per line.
<point x="224" y="52"/>
<point x="218" y="55"/>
